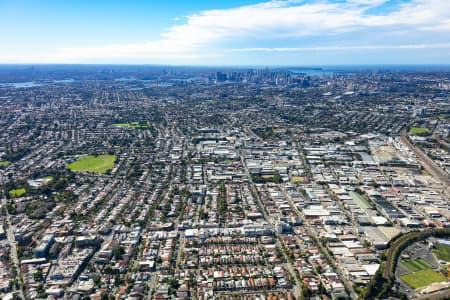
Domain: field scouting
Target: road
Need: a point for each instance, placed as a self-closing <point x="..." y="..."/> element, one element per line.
<point x="152" y="284"/>
<point x="298" y="284"/>
<point x="14" y="256"/>
<point x="312" y="232"/>
<point x="426" y="162"/>
<point x="180" y="250"/>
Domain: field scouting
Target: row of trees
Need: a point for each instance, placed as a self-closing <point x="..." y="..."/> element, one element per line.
<point x="276" y="178"/>
<point x="222" y="205"/>
<point x="381" y="287"/>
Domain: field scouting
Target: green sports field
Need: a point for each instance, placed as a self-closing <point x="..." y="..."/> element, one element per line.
<point x="442" y="252"/>
<point x="4" y="163"/>
<point x="299" y="179"/>
<point x="417" y="265"/>
<point x="419" y="131"/>
<point x="135" y="125"/>
<point x="17" y="192"/>
<point x="95" y="164"/>
<point x="422" y="278"/>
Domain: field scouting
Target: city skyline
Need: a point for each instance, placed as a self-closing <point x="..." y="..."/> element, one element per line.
<point x="226" y="32"/>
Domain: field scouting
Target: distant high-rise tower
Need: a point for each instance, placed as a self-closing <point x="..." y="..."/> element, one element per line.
<point x="220" y="77"/>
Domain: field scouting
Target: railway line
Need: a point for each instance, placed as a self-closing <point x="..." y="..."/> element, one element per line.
<point x="427" y="162"/>
<point x="398" y="245"/>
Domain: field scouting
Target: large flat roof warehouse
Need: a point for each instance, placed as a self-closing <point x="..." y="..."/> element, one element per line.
<point x="316" y="211"/>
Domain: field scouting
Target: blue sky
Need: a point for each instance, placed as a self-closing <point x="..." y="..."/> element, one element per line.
<point x="231" y="32"/>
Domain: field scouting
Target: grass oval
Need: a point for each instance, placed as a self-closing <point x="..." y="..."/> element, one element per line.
<point x="95" y="164"/>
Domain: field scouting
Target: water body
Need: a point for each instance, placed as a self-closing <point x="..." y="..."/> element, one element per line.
<point x="330" y="70"/>
<point x="70" y="80"/>
<point x="21" y="84"/>
<point x="30" y="84"/>
<point x="356" y="68"/>
<point x="159" y="84"/>
<point x="189" y="79"/>
<point x="125" y="79"/>
<point x="312" y="72"/>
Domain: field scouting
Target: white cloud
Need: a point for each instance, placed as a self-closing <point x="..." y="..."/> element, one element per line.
<point x="368" y="2"/>
<point x="344" y="48"/>
<point x="289" y="21"/>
